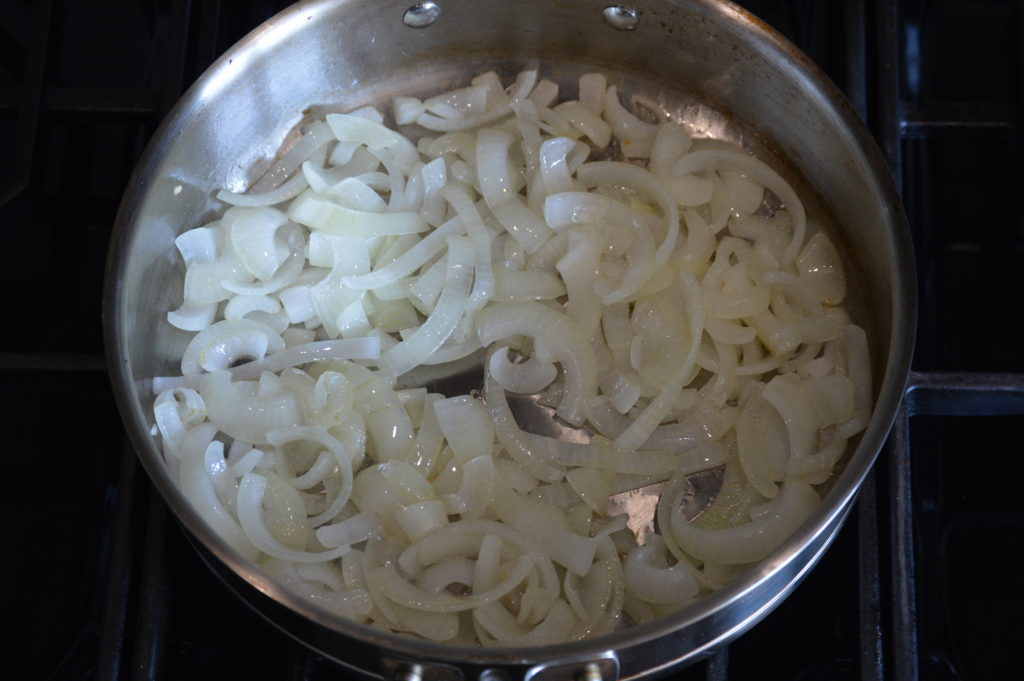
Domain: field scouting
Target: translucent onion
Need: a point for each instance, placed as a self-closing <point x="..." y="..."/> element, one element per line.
<point x="408" y="595"/>
<point x="634" y="177"/>
<point x="318" y="212"/>
<point x="226" y="342"/>
<point x="322" y="295"/>
<point x="447" y="573"/>
<point x="587" y="122"/>
<point x="577" y="269"/>
<point x="253" y="232"/>
<point x="315" y="138"/>
<point x="530" y="376"/>
<point x="720" y="159"/>
<point x="352" y="128"/>
<point x="570" y="550"/>
<point x="512" y="285"/>
<point x="351" y="348"/>
<point x="248" y="410"/>
<point x="514" y="440"/>
<point x="342" y="460"/>
<point x="649" y="577"/>
<point x="174" y="411"/>
<point x="638" y="431"/>
<point x="406" y="109"/>
<point x="819" y="264"/>
<point x="859" y="370"/>
<point x="559" y="335"/>
<point x="635" y="136"/>
<point x="198" y="488"/>
<point x="422" y="517"/>
<point x="355" y="604"/>
<point x="408" y="261"/>
<point x="200" y="245"/>
<point x="752" y="541"/>
<point x="288" y="189"/>
<point x="466" y="426"/>
<point x="441" y="323"/>
<point x="784" y="393"/>
<point x="761" y="450"/>
<point x="483" y="276"/>
<point x="500" y="194"/>
<point x="608" y="458"/>
<point x="565" y="209"/>
<point x="250" y="514"/>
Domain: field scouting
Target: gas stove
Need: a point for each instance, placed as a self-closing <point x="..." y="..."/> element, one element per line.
<point x="919" y="584"/>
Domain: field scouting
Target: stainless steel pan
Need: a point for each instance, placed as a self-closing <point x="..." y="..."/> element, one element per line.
<point x="707" y="60"/>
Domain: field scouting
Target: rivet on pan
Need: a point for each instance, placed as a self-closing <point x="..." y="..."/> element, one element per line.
<point x="591" y="672"/>
<point x="421" y="15"/>
<point x="622" y="18"/>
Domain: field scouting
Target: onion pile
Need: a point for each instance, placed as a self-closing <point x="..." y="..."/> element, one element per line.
<point x="674" y="306"/>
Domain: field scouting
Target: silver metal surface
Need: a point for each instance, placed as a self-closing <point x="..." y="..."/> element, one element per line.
<point x="709" y="63"/>
<point x="622" y="18"/>
<point x="702" y="491"/>
<point x="421" y="15"/>
<point x="604" y="667"/>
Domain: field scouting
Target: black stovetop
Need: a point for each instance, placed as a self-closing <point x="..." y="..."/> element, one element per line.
<point x="920" y="583"/>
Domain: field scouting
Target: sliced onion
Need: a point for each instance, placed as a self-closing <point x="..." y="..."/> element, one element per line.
<point x="192" y="317"/>
<point x="820" y="265"/>
<point x="570" y="550"/>
<point x="670" y="142"/>
<point x="555" y="332"/>
<point x="500" y="235"/>
<point x="253" y="232"/>
<point x="442" y="321"/>
<point x="859" y="370"/>
<point x="635" y="136"/>
<point x="513" y="439"/>
<point x="719" y="159"/>
<point x="466" y="426"/>
<point x="350" y="348"/>
<point x="248" y="410"/>
<point x="199" y="245"/>
<point x="226" y="342"/>
<point x="566" y="209"/>
<point x="342" y="460"/>
<point x="408" y="595"/>
<point x="587" y="122"/>
<point x="317" y="212"/>
<point x="250" y="513"/>
<point x="198" y="488"/>
<point x="638" y="431"/>
<point x="761" y="449"/>
<point x="754" y="540"/>
<point x="530" y="376"/>
<point x="649" y="577"/>
<point x="355" y="604"/>
<point x="422" y="517"/>
<point x="625" y="174"/>
<point x="502" y="198"/>
<point x="315" y="138"/>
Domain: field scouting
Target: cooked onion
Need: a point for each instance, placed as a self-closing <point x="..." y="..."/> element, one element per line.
<point x="651" y="305"/>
